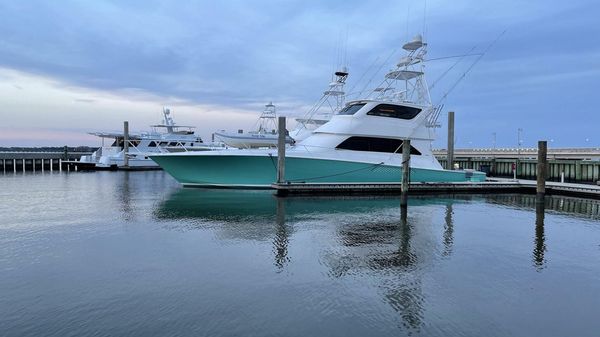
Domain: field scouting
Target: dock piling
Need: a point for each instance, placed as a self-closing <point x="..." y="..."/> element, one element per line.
<point x="541" y="169"/>
<point x="126" y="143"/>
<point x="281" y="150"/>
<point x="405" y="173"/>
<point x="450" y="160"/>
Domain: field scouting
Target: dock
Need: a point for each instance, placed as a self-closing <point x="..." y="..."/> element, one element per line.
<point x="575" y="165"/>
<point x="496" y="186"/>
<point x="38" y="161"/>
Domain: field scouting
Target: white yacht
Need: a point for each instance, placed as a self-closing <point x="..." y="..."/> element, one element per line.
<point x="164" y="137"/>
<point x="320" y="113"/>
<point x="360" y="144"/>
<point x="264" y="136"/>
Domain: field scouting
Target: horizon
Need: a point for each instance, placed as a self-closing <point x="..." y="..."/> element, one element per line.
<point x="74" y="68"/>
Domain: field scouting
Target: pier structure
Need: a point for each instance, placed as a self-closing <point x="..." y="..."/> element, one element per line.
<point x="493" y="186"/>
<point x="37" y="161"/>
<point x="537" y="187"/>
<point x="575" y="165"/>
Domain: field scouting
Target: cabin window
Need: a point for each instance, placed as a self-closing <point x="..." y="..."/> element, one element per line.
<point x="394" y="111"/>
<point x="152" y="144"/>
<point x="351" y="109"/>
<point x="373" y="144"/>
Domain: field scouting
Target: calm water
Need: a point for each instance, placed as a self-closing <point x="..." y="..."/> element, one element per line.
<point x="113" y="254"/>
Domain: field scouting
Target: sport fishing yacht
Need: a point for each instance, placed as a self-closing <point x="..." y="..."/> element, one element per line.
<point x="164" y="137"/>
<point x="320" y="113"/>
<point x="360" y="144"/>
<point x="264" y="136"/>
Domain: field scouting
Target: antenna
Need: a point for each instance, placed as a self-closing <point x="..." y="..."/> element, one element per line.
<point x="377" y="72"/>
<point x="425" y="20"/>
<point x="462" y="77"/>
<point x="460" y="58"/>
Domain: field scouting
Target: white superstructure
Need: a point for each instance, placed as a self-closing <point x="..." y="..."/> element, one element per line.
<point x="164" y="137"/>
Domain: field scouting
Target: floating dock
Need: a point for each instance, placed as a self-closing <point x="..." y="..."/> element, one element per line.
<point x="417" y="188"/>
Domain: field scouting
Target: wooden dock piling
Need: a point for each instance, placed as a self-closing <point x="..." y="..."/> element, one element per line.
<point x="450" y="161"/>
<point x="281" y="150"/>
<point x="542" y="164"/>
<point x="405" y="173"/>
<point x="126" y="144"/>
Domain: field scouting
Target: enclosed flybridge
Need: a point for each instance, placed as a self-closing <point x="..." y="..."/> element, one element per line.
<point x="360" y="144"/>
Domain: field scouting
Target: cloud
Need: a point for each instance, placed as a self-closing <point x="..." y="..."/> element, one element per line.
<point x="236" y="55"/>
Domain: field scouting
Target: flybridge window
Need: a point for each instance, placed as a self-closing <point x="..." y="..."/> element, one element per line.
<point x="351" y="109"/>
<point x="394" y="111"/>
<point x="373" y="144"/>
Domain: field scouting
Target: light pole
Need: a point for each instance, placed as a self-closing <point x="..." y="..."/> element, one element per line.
<point x="493" y="166"/>
<point x="519" y="142"/>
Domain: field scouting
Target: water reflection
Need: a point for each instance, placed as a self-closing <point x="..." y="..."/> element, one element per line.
<point x="540" y="240"/>
<point x="583" y="208"/>
<point x="448" y="230"/>
<point x="281" y="239"/>
<point x="125" y="197"/>
<point x="371" y="239"/>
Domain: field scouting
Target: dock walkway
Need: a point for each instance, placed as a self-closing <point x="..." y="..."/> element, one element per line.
<point x="494" y="185"/>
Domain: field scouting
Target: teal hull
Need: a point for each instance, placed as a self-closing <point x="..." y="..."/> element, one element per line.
<point x="261" y="171"/>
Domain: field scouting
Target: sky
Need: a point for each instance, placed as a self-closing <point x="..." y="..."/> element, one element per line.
<point x="71" y="67"/>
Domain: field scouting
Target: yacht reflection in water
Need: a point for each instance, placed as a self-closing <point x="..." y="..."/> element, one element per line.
<point x="374" y="238"/>
<point x="367" y="239"/>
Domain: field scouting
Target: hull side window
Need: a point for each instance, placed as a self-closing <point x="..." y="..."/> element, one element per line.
<point x="372" y="144"/>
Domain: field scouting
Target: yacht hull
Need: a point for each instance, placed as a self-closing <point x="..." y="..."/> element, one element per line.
<point x="261" y="171"/>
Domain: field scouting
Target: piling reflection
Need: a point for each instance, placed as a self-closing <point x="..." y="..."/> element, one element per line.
<point x="540" y="240"/>
<point x="448" y="230"/>
<point x="406" y="295"/>
<point x="281" y="239"/>
<point x="125" y="197"/>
